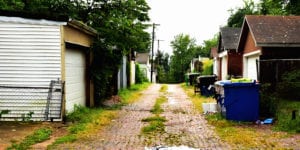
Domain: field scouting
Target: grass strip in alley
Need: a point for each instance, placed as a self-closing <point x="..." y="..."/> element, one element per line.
<point x="155" y="122"/>
<point x="240" y="135"/>
<point x="86" y="121"/>
<point x="39" y="135"/>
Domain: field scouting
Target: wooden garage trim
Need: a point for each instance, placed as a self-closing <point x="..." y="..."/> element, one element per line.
<point x="63" y="69"/>
<point x="80" y="35"/>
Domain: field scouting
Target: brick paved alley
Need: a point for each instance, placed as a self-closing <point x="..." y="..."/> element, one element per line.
<point x="184" y="126"/>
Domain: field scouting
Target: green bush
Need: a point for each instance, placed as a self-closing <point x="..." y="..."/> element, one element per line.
<point x="268" y="101"/>
<point x="284" y="115"/>
<point x="290" y="86"/>
<point x="140" y="77"/>
<point x="207" y="67"/>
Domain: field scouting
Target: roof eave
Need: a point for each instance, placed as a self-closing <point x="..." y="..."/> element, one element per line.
<point x="278" y="44"/>
<point x="83" y="27"/>
<point x="243" y="28"/>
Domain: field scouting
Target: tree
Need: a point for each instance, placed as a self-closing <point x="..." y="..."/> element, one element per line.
<point x="272" y="7"/>
<point x="120" y="26"/>
<point x="293" y="7"/>
<point x="236" y="19"/>
<point x="161" y="63"/>
<point x="183" y="51"/>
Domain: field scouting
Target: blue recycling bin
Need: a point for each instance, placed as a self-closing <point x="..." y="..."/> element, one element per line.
<point x="241" y="101"/>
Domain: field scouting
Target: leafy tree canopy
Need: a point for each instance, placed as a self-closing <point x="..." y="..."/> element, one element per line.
<point x="264" y="7"/>
<point x="120" y="25"/>
<point x="236" y="18"/>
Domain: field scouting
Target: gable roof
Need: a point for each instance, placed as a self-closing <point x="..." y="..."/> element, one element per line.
<point x="142" y="58"/>
<point x="228" y="38"/>
<point x="272" y="31"/>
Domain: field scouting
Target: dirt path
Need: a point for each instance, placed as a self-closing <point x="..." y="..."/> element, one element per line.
<point x="184" y="126"/>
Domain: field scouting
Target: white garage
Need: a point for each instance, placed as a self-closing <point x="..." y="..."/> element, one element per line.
<point x="37" y="57"/>
<point x="224" y="68"/>
<point x="75" y="83"/>
<point x="250" y="65"/>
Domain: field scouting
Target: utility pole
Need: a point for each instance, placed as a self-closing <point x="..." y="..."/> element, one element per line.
<point x="152" y="49"/>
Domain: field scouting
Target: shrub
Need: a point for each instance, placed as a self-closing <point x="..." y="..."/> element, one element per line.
<point x="207" y="67"/>
<point x="290" y="86"/>
<point x="268" y="101"/>
<point x="140" y="77"/>
<point x="284" y="115"/>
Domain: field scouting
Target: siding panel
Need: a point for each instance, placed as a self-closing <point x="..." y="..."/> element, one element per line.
<point x="30" y="56"/>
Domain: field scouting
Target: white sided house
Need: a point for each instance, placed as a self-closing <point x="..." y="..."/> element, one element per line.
<point x="44" y="68"/>
<point x="143" y="59"/>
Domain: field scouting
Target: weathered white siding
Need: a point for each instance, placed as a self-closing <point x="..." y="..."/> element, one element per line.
<point x="75" y="78"/>
<point x="30" y="56"/>
<point x="224" y="68"/>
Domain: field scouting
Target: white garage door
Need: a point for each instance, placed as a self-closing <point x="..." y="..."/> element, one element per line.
<point x="224" y="68"/>
<point x="75" y="78"/>
<point x="251" y="67"/>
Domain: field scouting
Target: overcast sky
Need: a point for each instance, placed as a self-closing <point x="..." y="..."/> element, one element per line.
<point x="201" y="19"/>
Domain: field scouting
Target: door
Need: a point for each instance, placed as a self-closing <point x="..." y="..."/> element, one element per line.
<point x="224" y="68"/>
<point x="75" y="69"/>
<point x="252" y="67"/>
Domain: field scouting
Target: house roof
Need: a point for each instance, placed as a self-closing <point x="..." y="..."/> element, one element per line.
<point x="44" y="19"/>
<point x="142" y="58"/>
<point x="229" y="38"/>
<point x="272" y="31"/>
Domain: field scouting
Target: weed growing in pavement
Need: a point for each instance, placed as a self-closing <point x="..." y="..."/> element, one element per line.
<point x="132" y="94"/>
<point x="155" y="118"/>
<point x="85" y="121"/>
<point x="156" y="126"/>
<point x="157" y="106"/>
<point x="163" y="88"/>
<point x="38" y="136"/>
<point x="156" y="122"/>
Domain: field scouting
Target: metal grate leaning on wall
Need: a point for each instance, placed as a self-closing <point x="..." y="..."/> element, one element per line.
<point x="24" y="103"/>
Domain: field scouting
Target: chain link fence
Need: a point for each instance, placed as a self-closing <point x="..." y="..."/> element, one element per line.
<point x="25" y="103"/>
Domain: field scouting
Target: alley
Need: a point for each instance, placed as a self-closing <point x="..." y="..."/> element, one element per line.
<point x="184" y="126"/>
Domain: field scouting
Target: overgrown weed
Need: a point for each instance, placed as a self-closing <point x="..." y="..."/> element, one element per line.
<point x="86" y="121"/>
<point x="38" y="136"/>
<point x="288" y="116"/>
<point x="237" y="134"/>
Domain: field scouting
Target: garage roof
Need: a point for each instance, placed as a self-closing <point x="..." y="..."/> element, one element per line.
<point x="272" y="31"/>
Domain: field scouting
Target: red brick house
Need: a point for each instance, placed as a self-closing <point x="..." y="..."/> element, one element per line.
<point x="270" y="46"/>
<point x="229" y="60"/>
